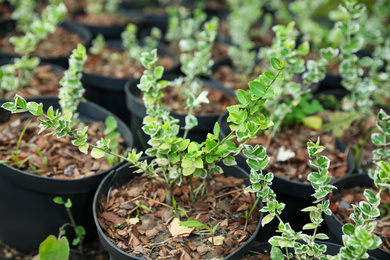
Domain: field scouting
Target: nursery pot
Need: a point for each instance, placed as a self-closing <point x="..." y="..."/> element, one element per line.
<point x="123" y="175"/>
<point x="138" y="112"/>
<point x="62" y="60"/>
<point x="109" y="92"/>
<point x="296" y="195"/>
<point x="334" y="223"/>
<point x="28" y="212"/>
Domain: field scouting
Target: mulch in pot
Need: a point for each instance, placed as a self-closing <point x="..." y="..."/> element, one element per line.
<point x="341" y="206"/>
<point x="64" y="160"/>
<point x="59" y="43"/>
<point x="45" y="82"/>
<point x="219" y="101"/>
<point x="103" y="19"/>
<point x="157" y="235"/>
<point x="120" y="67"/>
<point x="295" y="139"/>
<point x="231" y="78"/>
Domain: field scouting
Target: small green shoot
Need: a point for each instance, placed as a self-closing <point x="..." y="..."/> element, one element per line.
<point x="195" y="223"/>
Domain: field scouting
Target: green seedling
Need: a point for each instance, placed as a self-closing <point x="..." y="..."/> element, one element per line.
<point x="197" y="224"/>
<point x="58" y="247"/>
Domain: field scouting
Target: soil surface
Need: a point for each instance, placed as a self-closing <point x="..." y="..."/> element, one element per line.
<point x="341" y="205"/>
<point x="219" y="101"/>
<point x="103" y="19"/>
<point x="63" y="160"/>
<point x="231" y="78"/>
<point x="113" y="62"/>
<point x="59" y="43"/>
<point x="296" y="166"/>
<point x="45" y="82"/>
<point x="157" y="234"/>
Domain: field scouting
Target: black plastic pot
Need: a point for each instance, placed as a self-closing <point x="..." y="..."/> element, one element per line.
<point x="335" y="225"/>
<point x="138" y="112"/>
<point x="125" y="174"/>
<point x="109" y="92"/>
<point x="331" y="248"/>
<point x="9" y="25"/>
<point x="28" y="213"/>
<point x="296" y="195"/>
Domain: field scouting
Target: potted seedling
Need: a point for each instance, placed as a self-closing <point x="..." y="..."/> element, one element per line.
<point x="51" y="38"/>
<point x="361" y="78"/>
<point x="186" y="92"/>
<point x="358" y="238"/>
<point x="359" y="188"/>
<point x="293" y="114"/>
<point x="112" y="63"/>
<point x="174" y="161"/>
<point x="24" y="71"/>
<point x="106" y="17"/>
<point x="34" y="169"/>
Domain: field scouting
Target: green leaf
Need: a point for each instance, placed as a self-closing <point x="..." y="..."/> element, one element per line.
<point x="276" y="253"/>
<point x="97" y="153"/>
<point x="158" y="72"/>
<point x="321" y="236"/>
<point x="267" y="219"/>
<point x="269" y="75"/>
<point x="243" y="97"/>
<point x="58" y="200"/>
<point x="111" y="125"/>
<point x="84" y="148"/>
<point x="257" y="88"/>
<point x="348" y="229"/>
<point x="314" y="122"/>
<point x="379" y="139"/>
<point x="51" y="248"/>
<point x="276" y="64"/>
<point x="309" y="226"/>
<point x="68" y="203"/>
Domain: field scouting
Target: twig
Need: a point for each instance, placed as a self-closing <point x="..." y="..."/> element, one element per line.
<point x="227" y="193"/>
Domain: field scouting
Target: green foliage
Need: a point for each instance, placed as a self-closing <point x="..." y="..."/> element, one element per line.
<point x="354" y="80"/>
<point x="382" y="139"/>
<point x="98" y="45"/>
<point x="58" y="248"/>
<point x="197" y="224"/>
<point x="175" y="158"/>
<point x="102" y="6"/>
<point x="16" y="75"/>
<point x="72" y="90"/>
<point x="53" y="248"/>
<point x="111" y="136"/>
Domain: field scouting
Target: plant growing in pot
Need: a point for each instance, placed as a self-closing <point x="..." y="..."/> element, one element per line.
<point x="178" y="161"/>
<point x="184" y="23"/>
<point x="292" y="111"/>
<point x="54" y="38"/>
<point x="356" y="120"/>
<point x="111" y="64"/>
<point x="359" y="188"/>
<point x="52" y="168"/>
<point x="105" y="17"/>
<point x="185" y="91"/>
<point x="24" y="71"/>
<point x="358" y="238"/>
